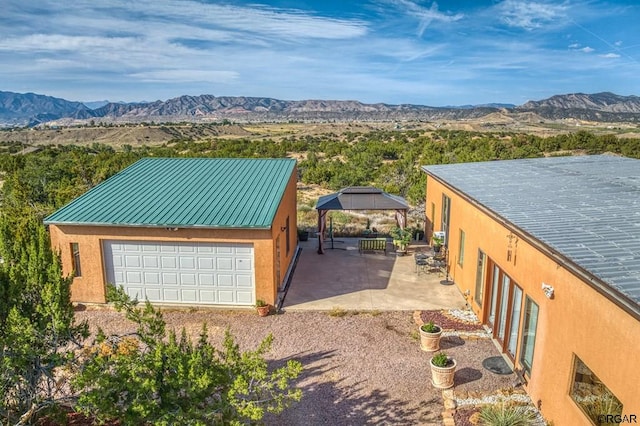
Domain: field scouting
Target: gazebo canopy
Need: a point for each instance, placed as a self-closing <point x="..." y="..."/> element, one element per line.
<point x="359" y="198"/>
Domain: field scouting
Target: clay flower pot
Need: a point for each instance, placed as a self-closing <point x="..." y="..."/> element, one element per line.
<point x="442" y="373"/>
<point x="430" y="337"/>
<point x="262" y="308"/>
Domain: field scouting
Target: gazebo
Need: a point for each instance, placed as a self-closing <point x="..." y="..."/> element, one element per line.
<point x="358" y="198"/>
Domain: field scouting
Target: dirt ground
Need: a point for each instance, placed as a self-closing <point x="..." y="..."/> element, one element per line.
<point x="359" y="368"/>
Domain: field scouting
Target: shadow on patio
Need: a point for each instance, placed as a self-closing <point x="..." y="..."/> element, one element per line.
<point x="344" y="278"/>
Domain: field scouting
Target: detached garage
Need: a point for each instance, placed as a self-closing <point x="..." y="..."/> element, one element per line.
<point x="183" y="231"/>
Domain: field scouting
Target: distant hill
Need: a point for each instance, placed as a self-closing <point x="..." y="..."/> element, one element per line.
<point x="604" y="106"/>
<point x="31" y="109"/>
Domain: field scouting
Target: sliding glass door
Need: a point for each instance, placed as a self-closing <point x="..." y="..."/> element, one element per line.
<point x="505" y="309"/>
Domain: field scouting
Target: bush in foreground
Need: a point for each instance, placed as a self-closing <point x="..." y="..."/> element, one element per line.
<point x="154" y="377"/>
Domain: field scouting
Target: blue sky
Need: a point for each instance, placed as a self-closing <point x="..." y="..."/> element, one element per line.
<point x="392" y="51"/>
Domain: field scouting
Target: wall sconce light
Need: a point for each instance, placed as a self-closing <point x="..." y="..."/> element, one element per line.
<point x="283" y="228"/>
<point x="171" y="229"/>
<point x="548" y="290"/>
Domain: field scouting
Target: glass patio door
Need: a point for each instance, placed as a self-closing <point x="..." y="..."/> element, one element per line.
<point x="495" y="291"/>
<point x="505" y="307"/>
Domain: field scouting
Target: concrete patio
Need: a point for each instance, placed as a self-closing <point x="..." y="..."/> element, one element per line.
<point x="343" y="278"/>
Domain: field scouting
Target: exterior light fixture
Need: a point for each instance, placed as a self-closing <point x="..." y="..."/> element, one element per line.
<point x="548" y="290"/>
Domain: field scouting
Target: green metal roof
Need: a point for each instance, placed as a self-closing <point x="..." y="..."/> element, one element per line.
<point x="184" y="192"/>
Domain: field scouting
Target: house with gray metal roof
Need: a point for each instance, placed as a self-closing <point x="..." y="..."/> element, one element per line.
<point x="183" y="231"/>
<point x="547" y="253"/>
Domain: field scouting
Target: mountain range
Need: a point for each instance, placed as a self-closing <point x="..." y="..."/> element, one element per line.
<point x="29" y="109"/>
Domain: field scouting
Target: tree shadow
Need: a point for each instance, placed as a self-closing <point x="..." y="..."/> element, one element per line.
<point x="448" y="342"/>
<point x="467" y="375"/>
<point x="328" y="399"/>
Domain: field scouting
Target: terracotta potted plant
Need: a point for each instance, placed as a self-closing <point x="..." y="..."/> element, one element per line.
<point x="401" y="239"/>
<point x="437" y="240"/>
<point x="443" y="370"/>
<point x="430" y="337"/>
<point x="262" y="307"/>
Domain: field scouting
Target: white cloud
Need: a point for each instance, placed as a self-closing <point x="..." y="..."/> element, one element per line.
<point x="425" y="16"/>
<point x="610" y="55"/>
<point x="587" y="49"/>
<point x="530" y="15"/>
<point x="172" y="75"/>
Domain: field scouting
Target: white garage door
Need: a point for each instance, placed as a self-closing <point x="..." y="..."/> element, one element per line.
<point x="177" y="272"/>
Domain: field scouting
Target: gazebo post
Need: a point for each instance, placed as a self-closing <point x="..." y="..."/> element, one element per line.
<point x="322" y="218"/>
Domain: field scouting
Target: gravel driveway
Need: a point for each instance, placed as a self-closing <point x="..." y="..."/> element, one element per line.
<point x="359" y="368"/>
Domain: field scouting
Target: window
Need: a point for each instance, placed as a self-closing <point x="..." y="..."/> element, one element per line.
<point x="461" y="249"/>
<point x="494" y="295"/>
<point x="444" y="223"/>
<point x="504" y="304"/>
<point x="286" y="237"/>
<point x="433" y="217"/>
<point x="480" y="277"/>
<point x="75" y="259"/>
<point x="529" y="325"/>
<point x="516" y="307"/>
<point x="591" y="395"/>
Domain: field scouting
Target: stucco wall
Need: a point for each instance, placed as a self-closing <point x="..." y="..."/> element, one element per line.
<point x="90" y="287"/>
<point x="577" y="321"/>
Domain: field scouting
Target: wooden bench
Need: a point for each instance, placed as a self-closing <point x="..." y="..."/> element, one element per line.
<point x="373" y="244"/>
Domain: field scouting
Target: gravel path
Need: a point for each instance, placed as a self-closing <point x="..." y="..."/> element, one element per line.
<point x="359" y="368"/>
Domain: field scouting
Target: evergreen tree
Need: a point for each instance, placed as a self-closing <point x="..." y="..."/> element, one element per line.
<point x="37" y="328"/>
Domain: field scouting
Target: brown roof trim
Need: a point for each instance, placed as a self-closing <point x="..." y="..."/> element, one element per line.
<point x="602" y="287"/>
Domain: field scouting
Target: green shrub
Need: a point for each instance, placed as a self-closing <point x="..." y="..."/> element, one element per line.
<point x="156" y="377"/>
<point x="507" y="415"/>
<point x="430" y="327"/>
<point x="440" y="359"/>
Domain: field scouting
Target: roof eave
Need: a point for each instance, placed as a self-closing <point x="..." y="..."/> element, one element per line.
<point x="149" y="225"/>
<point x="609" y="291"/>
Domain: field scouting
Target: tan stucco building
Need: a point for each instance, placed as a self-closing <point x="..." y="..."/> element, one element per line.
<point x="547" y="252"/>
<point x="183" y="231"/>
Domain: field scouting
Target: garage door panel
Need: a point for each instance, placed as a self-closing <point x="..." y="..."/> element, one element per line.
<point x="226" y="296"/>
<point x="187" y="262"/>
<point x="188" y="279"/>
<point x="206" y="279"/>
<point x="224" y="249"/>
<point x="135" y="292"/>
<point x="153" y="293"/>
<point x="117" y="261"/>
<point x="244" y="281"/>
<point x="243" y="264"/>
<point x="207" y="263"/>
<point x="244" y="297"/>
<point x="246" y="250"/>
<point x="134" y="277"/>
<point x="169" y="278"/>
<point x="167" y="262"/>
<point x="182" y="272"/>
<point x="206" y="248"/>
<point x="170" y="295"/>
<point x="152" y="278"/>
<point x="224" y="263"/>
<point x="225" y="280"/>
<point x="150" y="262"/>
<point x="207" y="296"/>
<point x="132" y="261"/>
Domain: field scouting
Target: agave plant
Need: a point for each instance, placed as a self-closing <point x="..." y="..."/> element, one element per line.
<point x="507" y="415"/>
